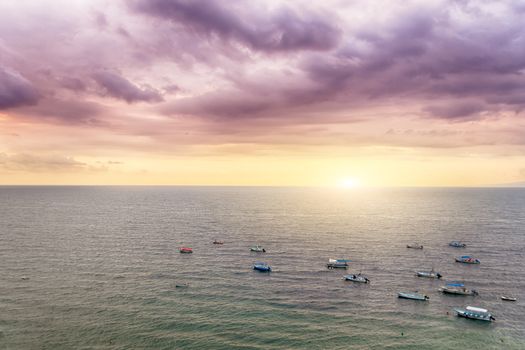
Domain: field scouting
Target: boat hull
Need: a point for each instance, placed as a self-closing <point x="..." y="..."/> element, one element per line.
<point x="412" y="296"/>
<point x="473" y="316"/>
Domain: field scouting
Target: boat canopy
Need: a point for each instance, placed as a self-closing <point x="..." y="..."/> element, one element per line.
<point x="455" y="284"/>
<point x="338" y="260"/>
<point x="466" y="257"/>
<point x="477" y="309"/>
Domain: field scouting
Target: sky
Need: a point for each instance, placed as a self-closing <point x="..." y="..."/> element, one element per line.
<point x="242" y="92"/>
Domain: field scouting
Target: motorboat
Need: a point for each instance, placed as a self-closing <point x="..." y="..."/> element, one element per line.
<point x="457" y="244"/>
<point x="182" y="285"/>
<point x="415" y="246"/>
<point x="337" y="263"/>
<point x="185" y="250"/>
<point x="413" y="296"/>
<point x="258" y="249"/>
<point x="466" y="259"/>
<point x="475" y="313"/>
<point x="507" y="298"/>
<point x="218" y="242"/>
<point x="263" y="267"/>
<point x="429" y="274"/>
<point x="357" y="278"/>
<point x="457" y="289"/>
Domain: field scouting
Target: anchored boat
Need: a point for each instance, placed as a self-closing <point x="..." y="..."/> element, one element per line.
<point x="429" y="274"/>
<point x="263" y="267"/>
<point x="413" y="296"/>
<point x="457" y="289"/>
<point x="475" y="313"/>
<point x="506" y="298"/>
<point x="218" y="242"/>
<point x="466" y="259"/>
<point x="357" y="278"/>
<point x="185" y="250"/>
<point x="258" y="249"/>
<point x="457" y="244"/>
<point x="415" y="246"/>
<point x="337" y="263"/>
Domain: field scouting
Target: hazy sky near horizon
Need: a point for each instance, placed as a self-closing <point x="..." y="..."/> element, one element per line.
<point x="242" y="92"/>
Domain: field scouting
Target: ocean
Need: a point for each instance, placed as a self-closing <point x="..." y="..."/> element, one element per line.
<point x="97" y="267"/>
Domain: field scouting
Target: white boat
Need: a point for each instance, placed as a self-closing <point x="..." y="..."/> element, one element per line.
<point x="413" y="296"/>
<point x="428" y="274"/>
<point x="475" y="313"/>
<point x="507" y="298"/>
<point x="337" y="263"/>
<point x="457" y="289"/>
<point x="357" y="278"/>
<point x="258" y="249"/>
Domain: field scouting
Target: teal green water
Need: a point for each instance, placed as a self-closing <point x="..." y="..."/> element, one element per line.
<point x="101" y="265"/>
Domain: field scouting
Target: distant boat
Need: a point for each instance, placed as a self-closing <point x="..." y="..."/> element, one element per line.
<point x="415" y="246"/>
<point x="466" y="259"/>
<point x="475" y="313"/>
<point x="263" y="267"/>
<point x="218" y="242"/>
<point x="457" y="289"/>
<point x="357" y="278"/>
<point x="457" y="244"/>
<point x="429" y="274"/>
<point x="506" y="298"/>
<point x="185" y="250"/>
<point x="258" y="249"/>
<point x="337" y="263"/>
<point x="413" y="296"/>
<point x="182" y="285"/>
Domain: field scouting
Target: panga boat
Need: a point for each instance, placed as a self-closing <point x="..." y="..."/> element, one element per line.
<point x="337" y="263"/>
<point x="457" y="244"/>
<point x="466" y="259"/>
<point x="357" y="278"/>
<point x="415" y="246"/>
<point x="503" y="297"/>
<point x="186" y="250"/>
<point x="457" y="289"/>
<point x="428" y="274"/>
<point x="413" y="296"/>
<point x="218" y="242"/>
<point x="264" y="267"/>
<point x="475" y="313"/>
<point x="258" y="249"/>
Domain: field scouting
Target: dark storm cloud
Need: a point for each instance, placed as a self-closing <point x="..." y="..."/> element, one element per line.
<point x="15" y="90"/>
<point x="121" y="88"/>
<point x="281" y="30"/>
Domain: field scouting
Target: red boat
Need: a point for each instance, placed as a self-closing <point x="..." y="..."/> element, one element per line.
<point x="186" y="250"/>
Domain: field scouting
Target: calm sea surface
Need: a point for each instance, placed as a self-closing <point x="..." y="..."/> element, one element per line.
<point x="97" y="268"/>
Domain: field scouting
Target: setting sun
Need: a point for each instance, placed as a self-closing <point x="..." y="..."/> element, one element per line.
<point x="350" y="182"/>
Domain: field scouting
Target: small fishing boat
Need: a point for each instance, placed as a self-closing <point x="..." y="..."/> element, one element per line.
<point x="457" y="244"/>
<point x="357" y="278"/>
<point x="415" y="246"/>
<point x="258" y="249"/>
<point x="337" y="263"/>
<point x="475" y="313"/>
<point x="185" y="250"/>
<point x="218" y="242"/>
<point x="507" y="298"/>
<point x="466" y="259"/>
<point x="429" y="274"/>
<point x="457" y="289"/>
<point x="413" y="296"/>
<point x="182" y="285"/>
<point x="263" y="267"/>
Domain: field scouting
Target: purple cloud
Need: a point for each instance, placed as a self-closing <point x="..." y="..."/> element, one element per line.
<point x="281" y="30"/>
<point x="15" y="90"/>
<point x="121" y="88"/>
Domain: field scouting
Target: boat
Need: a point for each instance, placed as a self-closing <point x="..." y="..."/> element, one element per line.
<point x="466" y="259"/>
<point x="185" y="250"/>
<point x="218" y="242"/>
<point x="475" y="313"/>
<point x="337" y="263"/>
<point x="506" y="298"/>
<point x="429" y="274"/>
<point x="182" y="285"/>
<point x="457" y="244"/>
<point x="457" y="289"/>
<point x="357" y="278"/>
<point x="258" y="249"/>
<point x="413" y="296"/>
<point x="263" y="267"/>
<point x="415" y="246"/>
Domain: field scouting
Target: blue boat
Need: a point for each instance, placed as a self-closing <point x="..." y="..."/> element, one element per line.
<point x="457" y="244"/>
<point x="475" y="313"/>
<point x="466" y="259"/>
<point x="263" y="267"/>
